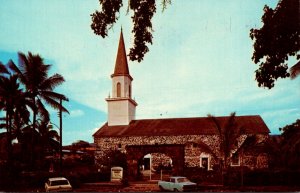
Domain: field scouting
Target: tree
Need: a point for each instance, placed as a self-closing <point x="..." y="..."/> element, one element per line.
<point x="276" y="41"/>
<point x="33" y="74"/>
<point x="9" y="91"/>
<point x="3" y="72"/>
<point x="3" y="69"/>
<point x="48" y="138"/>
<point x="14" y="102"/>
<point x="113" y="158"/>
<point x="290" y="145"/>
<point x="80" y="144"/>
<point x="229" y="132"/>
<point x="142" y="25"/>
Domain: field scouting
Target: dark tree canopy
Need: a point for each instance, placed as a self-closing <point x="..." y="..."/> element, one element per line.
<point x="291" y="130"/>
<point x="290" y="144"/>
<point x="143" y="11"/>
<point x="278" y="39"/>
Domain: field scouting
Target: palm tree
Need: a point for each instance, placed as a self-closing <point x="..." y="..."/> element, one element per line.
<point x="49" y="138"/>
<point x="33" y="73"/>
<point x="3" y="69"/>
<point x="228" y="132"/>
<point x="14" y="103"/>
<point x="7" y="90"/>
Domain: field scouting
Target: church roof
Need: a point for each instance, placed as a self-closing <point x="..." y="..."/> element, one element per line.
<point x="181" y="126"/>
<point x="121" y="66"/>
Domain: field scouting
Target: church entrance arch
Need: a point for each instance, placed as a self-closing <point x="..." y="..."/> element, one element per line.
<point x="136" y="153"/>
<point x="155" y="166"/>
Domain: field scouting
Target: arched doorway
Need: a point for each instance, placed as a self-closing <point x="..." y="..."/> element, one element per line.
<point x="136" y="153"/>
<point x="155" y="166"/>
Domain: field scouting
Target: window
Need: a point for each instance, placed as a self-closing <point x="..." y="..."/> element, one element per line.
<point x="118" y="89"/>
<point x="205" y="161"/>
<point x="235" y="159"/>
<point x="182" y="180"/>
<point x="59" y="182"/>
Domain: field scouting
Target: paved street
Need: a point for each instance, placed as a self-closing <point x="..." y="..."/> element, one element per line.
<point x="117" y="187"/>
<point x="151" y="186"/>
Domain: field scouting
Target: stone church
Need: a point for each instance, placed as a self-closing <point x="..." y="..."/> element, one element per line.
<point x="180" y="142"/>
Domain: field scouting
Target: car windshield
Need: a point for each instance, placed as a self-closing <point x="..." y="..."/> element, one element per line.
<point x="59" y="182"/>
<point x="180" y="180"/>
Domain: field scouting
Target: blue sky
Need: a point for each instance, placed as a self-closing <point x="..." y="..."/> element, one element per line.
<point x="199" y="63"/>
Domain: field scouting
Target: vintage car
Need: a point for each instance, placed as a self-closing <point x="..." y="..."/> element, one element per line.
<point x="58" y="184"/>
<point x="177" y="184"/>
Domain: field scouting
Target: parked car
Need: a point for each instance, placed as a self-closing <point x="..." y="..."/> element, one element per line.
<point x="58" y="184"/>
<point x="177" y="184"/>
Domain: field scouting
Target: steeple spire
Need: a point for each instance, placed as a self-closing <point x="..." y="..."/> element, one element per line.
<point x="121" y="106"/>
<point x="121" y="65"/>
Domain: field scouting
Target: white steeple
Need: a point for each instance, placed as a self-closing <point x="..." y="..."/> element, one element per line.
<point x="121" y="106"/>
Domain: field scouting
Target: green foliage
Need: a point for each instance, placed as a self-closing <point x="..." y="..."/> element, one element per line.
<point x="143" y="11"/>
<point x="289" y="131"/>
<point x="202" y="176"/>
<point x="278" y="39"/>
<point x="228" y="134"/>
<point x="271" y="178"/>
<point x="22" y="87"/>
<point x="3" y="69"/>
<point x="114" y="158"/>
<point x="104" y="20"/>
<point x="284" y="149"/>
<point x="33" y="74"/>
<point x="290" y="145"/>
<point x="81" y="144"/>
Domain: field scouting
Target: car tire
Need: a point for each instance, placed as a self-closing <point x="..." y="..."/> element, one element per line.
<point x="161" y="188"/>
<point x="175" y="190"/>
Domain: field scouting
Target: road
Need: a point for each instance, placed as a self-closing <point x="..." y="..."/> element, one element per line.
<point x="151" y="186"/>
<point x="117" y="187"/>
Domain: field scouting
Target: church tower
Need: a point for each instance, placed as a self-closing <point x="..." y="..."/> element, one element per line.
<point x="121" y="107"/>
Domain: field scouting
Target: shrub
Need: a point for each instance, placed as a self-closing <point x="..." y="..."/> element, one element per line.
<point x="271" y="178"/>
<point x="202" y="176"/>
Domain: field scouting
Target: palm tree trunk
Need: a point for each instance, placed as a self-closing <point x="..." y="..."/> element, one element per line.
<point x="8" y="128"/>
<point x="9" y="146"/>
<point x="32" y="134"/>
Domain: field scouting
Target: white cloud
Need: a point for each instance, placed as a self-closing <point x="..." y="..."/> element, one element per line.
<point x="76" y="113"/>
<point x="191" y="69"/>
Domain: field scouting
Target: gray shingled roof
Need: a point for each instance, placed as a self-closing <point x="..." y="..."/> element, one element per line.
<point x="181" y="126"/>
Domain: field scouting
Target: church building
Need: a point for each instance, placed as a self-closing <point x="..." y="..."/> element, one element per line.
<point x="180" y="142"/>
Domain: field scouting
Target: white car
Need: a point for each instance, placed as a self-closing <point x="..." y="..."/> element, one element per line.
<point x="58" y="184"/>
<point x="177" y="184"/>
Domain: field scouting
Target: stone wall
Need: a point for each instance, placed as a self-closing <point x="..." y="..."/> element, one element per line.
<point x="106" y="144"/>
<point x="192" y="148"/>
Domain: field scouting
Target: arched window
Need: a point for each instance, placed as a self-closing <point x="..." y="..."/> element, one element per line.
<point x="118" y="89"/>
<point x="130" y="91"/>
